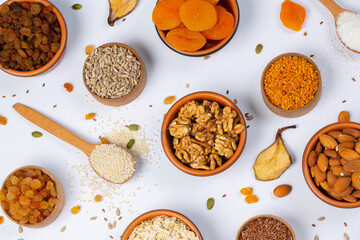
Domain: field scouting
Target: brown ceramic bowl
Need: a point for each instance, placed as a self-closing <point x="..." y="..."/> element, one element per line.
<point x="212" y="45"/>
<point x="306" y="170"/>
<point x="296" y="112"/>
<point x="58" y="208"/>
<point x="136" y="90"/>
<point x="152" y="214"/>
<point x="57" y="57"/>
<point x="166" y="138"/>
<point x="260" y="216"/>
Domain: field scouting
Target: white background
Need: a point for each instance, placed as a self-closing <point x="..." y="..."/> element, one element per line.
<point x="235" y="68"/>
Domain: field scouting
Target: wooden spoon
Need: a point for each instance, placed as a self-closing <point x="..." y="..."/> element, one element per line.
<point x="336" y="10"/>
<point x="62" y="133"/>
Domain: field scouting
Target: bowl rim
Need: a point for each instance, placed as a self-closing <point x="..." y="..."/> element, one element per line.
<point x="295" y="112"/>
<point x="265" y="215"/>
<point x="135" y="92"/>
<point x="152" y="214"/>
<point x="171" y="114"/>
<point x="200" y="53"/>
<point x="57" y="209"/>
<point x="58" y="54"/>
<point x="306" y="170"/>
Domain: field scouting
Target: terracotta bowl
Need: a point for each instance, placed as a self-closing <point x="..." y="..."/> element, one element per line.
<point x="57" y="57"/>
<point x="166" y="138"/>
<point x="297" y="112"/>
<point x="260" y="216"/>
<point x="306" y="170"/>
<point x="212" y="45"/>
<point x="152" y="214"/>
<point x="58" y="208"/>
<point x="136" y="90"/>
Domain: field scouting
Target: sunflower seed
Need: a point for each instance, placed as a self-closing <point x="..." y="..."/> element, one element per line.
<point x="321" y="219"/>
<point x="63" y="229"/>
<point x="118" y="212"/>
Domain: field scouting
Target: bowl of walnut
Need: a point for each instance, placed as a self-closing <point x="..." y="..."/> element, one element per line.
<point x="203" y="134"/>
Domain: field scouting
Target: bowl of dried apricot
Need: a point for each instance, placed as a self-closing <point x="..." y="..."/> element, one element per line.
<point x="196" y="27"/>
<point x="203" y="133"/>
<point x="331" y="164"/>
<point x="32" y="38"/>
<point x="32" y="197"/>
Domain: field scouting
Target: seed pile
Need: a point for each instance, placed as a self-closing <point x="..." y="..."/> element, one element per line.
<point x="112" y="72"/>
<point x="112" y="162"/>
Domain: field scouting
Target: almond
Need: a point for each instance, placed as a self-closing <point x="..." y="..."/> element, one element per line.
<point x="355" y="178"/>
<point x="318" y="148"/>
<point x="344" y="116"/>
<point x="345" y="138"/>
<point x="334" y="134"/>
<point x="357" y="147"/>
<point x="334" y="162"/>
<point x="356" y="194"/>
<point x="339" y="171"/>
<point x="334" y="195"/>
<point x="349" y="154"/>
<point x="350" y="198"/>
<point x="312" y="159"/>
<point x="351" y="131"/>
<point x="331" y="153"/>
<point x="327" y="141"/>
<point x="325" y="186"/>
<point x="312" y="171"/>
<point x="331" y="179"/>
<point x="282" y="190"/>
<point x="343" y="161"/>
<point x="347" y="191"/>
<point x="341" y="184"/>
<point x="323" y="162"/>
<point x="320" y="176"/>
<point x="346" y="145"/>
<point x="352" y="166"/>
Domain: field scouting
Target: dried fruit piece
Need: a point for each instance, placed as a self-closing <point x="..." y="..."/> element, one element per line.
<point x="259" y="48"/>
<point x="1" y="220"/>
<point x="104" y="140"/>
<point x="246" y="191"/>
<point x="169" y="100"/>
<point x="251" y="198"/>
<point x="130" y="143"/>
<point x="119" y="9"/>
<point x="166" y="14"/>
<point x="184" y="39"/>
<point x="224" y="26"/>
<point x="213" y="2"/>
<point x="89" y="49"/>
<point x="68" y="87"/>
<point x="77" y="6"/>
<point x="272" y="162"/>
<point x="36" y="134"/>
<point x="198" y="15"/>
<point x="210" y="203"/>
<point x="282" y="190"/>
<point x="75" y="210"/>
<point x="327" y="141"/>
<point x="97" y="198"/>
<point x="133" y="127"/>
<point x="90" y="116"/>
<point x="292" y="15"/>
<point x="3" y="120"/>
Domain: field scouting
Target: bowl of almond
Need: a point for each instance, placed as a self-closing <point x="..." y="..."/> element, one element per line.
<point x="331" y="164"/>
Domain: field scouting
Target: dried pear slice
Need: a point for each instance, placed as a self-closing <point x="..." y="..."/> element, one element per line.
<point x="272" y="162"/>
<point x="119" y="9"/>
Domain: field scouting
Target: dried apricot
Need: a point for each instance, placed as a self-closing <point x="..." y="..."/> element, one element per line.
<point x="251" y="198"/>
<point x="223" y="27"/>
<point x="75" y="210"/>
<point x="1" y="219"/>
<point x="90" y="116"/>
<point x="185" y="40"/>
<point x="166" y="14"/>
<point x="3" y="120"/>
<point x="246" y="191"/>
<point x="97" y="198"/>
<point x="89" y="49"/>
<point x="292" y="15"/>
<point x="198" y="15"/>
<point x="68" y="87"/>
<point x="169" y="100"/>
<point x="213" y="2"/>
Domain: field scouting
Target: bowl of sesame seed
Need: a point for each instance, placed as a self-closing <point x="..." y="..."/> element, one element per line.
<point x="291" y="85"/>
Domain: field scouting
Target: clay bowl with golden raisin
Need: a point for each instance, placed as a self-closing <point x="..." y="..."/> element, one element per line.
<point x="35" y="207"/>
<point x="152" y="214"/>
<point x="167" y="139"/>
<point x="311" y="182"/>
<point x="298" y="111"/>
<point x="211" y="46"/>
<point x="272" y="217"/>
<point x="54" y="54"/>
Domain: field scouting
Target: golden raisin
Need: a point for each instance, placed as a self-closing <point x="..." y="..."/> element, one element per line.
<point x="49" y="185"/>
<point x="3" y="120"/>
<point x="1" y="219"/>
<point x="251" y="198"/>
<point x="97" y="198"/>
<point x="68" y="87"/>
<point x="44" y="205"/>
<point x="90" y="116"/>
<point x="29" y="193"/>
<point x="75" y="210"/>
<point x="104" y="140"/>
<point x="35" y="184"/>
<point x="246" y="191"/>
<point x="169" y="100"/>
<point x="89" y="49"/>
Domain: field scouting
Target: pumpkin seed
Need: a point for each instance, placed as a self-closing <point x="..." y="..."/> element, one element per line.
<point x="346" y="237"/>
<point x="133" y="127"/>
<point x="210" y="203"/>
<point x="130" y="143"/>
<point x="36" y="134"/>
<point x="259" y="48"/>
<point x="76" y="6"/>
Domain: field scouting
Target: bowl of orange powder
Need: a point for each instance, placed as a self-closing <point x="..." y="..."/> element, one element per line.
<point x="196" y="27"/>
<point x="291" y="85"/>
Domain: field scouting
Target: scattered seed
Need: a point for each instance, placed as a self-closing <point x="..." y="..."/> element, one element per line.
<point x="187" y="85"/>
<point x="344" y="101"/>
<point x="14" y="95"/>
<point x="103" y="210"/>
<point x="248" y="126"/>
<point x="76" y="6"/>
<point x="227" y="91"/>
<point x="346" y="237"/>
<point x="114" y="224"/>
<point x="111" y="237"/>
<point x="43" y="85"/>
<point x="118" y="212"/>
<point x="150" y="105"/>
<point x="316" y="237"/>
<point x="224" y="195"/>
<point x="312" y="55"/>
<point x="235" y="101"/>
<point x="93" y="218"/>
<point x="36" y="134"/>
<point x="313" y="225"/>
<point x="321" y="219"/>
<point x="249" y="117"/>
<point x="210" y="203"/>
<point x="105" y="219"/>
<point x="169" y="100"/>
<point x="206" y="57"/>
<point x="345" y="224"/>
<point x="305" y="34"/>
<point x="321" y="22"/>
<point x="20" y="229"/>
<point x="130" y="143"/>
<point x="63" y="229"/>
<point x="124" y="19"/>
<point x="354" y="79"/>
<point x="27" y="91"/>
<point x="259" y="48"/>
<point x="119" y="218"/>
<point x="3" y="96"/>
<point x="54" y="106"/>
<point x="110" y="226"/>
<point x="133" y="127"/>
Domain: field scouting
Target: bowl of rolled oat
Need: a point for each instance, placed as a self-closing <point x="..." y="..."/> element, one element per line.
<point x="114" y="74"/>
<point x="203" y="133"/>
<point x="161" y="224"/>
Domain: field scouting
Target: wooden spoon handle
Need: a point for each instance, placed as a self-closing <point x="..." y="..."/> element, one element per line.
<point x="333" y="7"/>
<point x="54" y="128"/>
